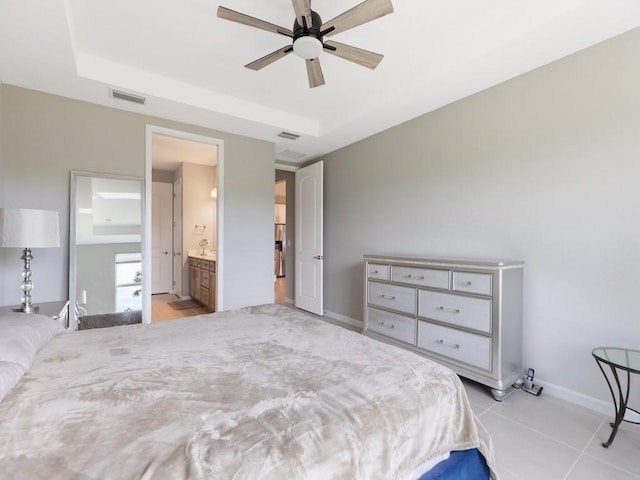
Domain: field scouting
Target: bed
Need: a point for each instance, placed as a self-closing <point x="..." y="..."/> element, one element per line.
<point x="263" y="392"/>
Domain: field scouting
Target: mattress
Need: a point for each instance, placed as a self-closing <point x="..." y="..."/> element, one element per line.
<point x="263" y="392"/>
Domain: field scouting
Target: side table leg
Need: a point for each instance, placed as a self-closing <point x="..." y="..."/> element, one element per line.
<point x="620" y="408"/>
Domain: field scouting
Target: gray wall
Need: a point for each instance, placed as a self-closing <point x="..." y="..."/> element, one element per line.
<point x="543" y="168"/>
<point x="248" y="208"/>
<point x="44" y="137"/>
<point x="162" y="176"/>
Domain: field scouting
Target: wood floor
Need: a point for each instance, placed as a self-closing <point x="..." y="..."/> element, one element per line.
<point x="279" y="290"/>
<point x="160" y="309"/>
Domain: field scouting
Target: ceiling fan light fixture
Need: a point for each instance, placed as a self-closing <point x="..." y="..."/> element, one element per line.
<point x="307" y="47"/>
<point x="309" y="31"/>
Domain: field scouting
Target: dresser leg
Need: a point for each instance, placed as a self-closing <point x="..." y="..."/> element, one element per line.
<point x="498" y="395"/>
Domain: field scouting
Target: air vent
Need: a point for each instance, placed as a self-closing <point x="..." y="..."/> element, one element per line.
<point x="288" y="135"/>
<point x="129" y="97"/>
<point x="291" y="155"/>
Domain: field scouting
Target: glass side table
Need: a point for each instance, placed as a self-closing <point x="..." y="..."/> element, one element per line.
<point x="619" y="360"/>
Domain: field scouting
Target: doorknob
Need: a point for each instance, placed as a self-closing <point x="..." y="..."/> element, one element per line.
<point x="318" y="257"/>
<point x="166" y="253"/>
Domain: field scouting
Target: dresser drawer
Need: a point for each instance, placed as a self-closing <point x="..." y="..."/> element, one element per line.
<point x="204" y="280"/>
<point x="457" y="310"/>
<point x="204" y="264"/>
<point x="377" y="271"/>
<point x="472" y="282"/>
<point x="392" y="325"/>
<point x="395" y="297"/>
<point x="455" y="344"/>
<point x="426" y="277"/>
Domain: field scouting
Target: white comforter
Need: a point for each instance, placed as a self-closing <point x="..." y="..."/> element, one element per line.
<point x="260" y="393"/>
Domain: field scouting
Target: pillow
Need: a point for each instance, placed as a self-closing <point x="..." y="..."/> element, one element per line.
<point x="23" y="334"/>
<point x="10" y="373"/>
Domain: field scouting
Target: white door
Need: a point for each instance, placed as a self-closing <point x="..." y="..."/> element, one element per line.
<point x="309" y="271"/>
<point x="177" y="237"/>
<point x="161" y="237"/>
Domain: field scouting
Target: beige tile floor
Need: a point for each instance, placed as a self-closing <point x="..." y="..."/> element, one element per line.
<point x="550" y="439"/>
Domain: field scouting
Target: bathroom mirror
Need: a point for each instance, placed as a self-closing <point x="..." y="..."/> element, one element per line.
<point x="105" y="245"/>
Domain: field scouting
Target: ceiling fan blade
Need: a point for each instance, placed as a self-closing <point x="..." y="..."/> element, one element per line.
<point x="314" y="72"/>
<point x="303" y="11"/>
<point x="361" y="13"/>
<point x="269" y="59"/>
<point x="354" y="54"/>
<point x="252" y="21"/>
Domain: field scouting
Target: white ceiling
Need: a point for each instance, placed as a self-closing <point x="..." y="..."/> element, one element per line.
<point x="189" y="63"/>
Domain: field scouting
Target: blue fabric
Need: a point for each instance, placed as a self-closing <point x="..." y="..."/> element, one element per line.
<point x="461" y="465"/>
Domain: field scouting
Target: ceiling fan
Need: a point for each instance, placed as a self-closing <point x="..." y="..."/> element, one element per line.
<point x="308" y="35"/>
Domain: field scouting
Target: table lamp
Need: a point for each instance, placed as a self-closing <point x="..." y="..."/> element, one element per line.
<point x="28" y="228"/>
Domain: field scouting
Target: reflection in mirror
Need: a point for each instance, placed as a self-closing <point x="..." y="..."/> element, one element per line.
<point x="105" y="275"/>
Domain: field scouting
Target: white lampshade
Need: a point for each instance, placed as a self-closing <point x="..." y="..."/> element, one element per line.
<point x="29" y="228"/>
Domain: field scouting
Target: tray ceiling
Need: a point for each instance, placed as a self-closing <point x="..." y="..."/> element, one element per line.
<point x="189" y="64"/>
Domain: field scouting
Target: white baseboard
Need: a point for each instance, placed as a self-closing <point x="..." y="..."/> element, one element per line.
<point x="600" y="406"/>
<point x="344" y="319"/>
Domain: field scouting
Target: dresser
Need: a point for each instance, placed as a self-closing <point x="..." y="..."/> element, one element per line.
<point x="464" y="314"/>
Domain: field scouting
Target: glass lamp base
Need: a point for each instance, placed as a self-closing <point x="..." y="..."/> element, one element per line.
<point x="27" y="309"/>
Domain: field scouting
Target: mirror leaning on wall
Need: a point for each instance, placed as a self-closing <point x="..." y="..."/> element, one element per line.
<point x="105" y="249"/>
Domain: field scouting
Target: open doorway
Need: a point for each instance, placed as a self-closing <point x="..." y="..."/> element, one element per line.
<point x="280" y="247"/>
<point x="189" y="167"/>
<point x="283" y="267"/>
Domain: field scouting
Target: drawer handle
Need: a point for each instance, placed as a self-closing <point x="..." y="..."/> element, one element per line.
<point x="449" y="309"/>
<point x="466" y="284"/>
<point x="417" y="277"/>
<point x="375" y="272"/>
<point x="389" y="297"/>
<point x="452" y="345"/>
<point x="388" y="325"/>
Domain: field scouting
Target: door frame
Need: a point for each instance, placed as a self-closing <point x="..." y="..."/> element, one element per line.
<point x="177" y="239"/>
<point x="146" y="247"/>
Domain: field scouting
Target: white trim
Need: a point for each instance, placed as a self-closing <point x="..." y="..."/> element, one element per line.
<point x="600" y="406"/>
<point x="344" y="319"/>
<point x="146" y="251"/>
<point x="287" y="168"/>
